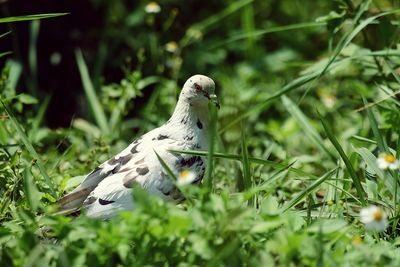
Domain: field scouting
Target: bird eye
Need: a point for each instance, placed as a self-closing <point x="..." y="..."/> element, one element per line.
<point x="197" y="87"/>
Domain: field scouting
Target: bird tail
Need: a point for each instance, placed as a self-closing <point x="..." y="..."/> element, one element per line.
<point x="73" y="201"/>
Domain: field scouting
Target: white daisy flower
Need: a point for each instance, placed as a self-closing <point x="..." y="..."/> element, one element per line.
<point x="171" y="47"/>
<point x="186" y="177"/>
<point x="329" y="100"/>
<point x="374" y="218"/>
<point x="152" y="7"/>
<point x="387" y="161"/>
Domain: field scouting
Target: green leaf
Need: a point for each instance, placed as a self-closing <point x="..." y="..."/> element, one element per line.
<point x="372" y="166"/>
<point x="27" y="99"/>
<point x="33" y="195"/>
<point x="94" y="103"/>
<point x="370" y="160"/>
<point x="327" y="226"/>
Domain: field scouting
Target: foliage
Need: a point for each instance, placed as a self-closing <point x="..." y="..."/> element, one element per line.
<point x="294" y="156"/>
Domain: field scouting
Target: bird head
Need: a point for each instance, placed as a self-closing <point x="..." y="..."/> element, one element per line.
<point x="198" y="90"/>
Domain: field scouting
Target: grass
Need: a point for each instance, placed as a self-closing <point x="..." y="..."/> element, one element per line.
<point x="292" y="155"/>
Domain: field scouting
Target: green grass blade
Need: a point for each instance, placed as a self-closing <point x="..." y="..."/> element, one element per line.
<point x="166" y="167"/>
<point x="363" y="139"/>
<point x="32" y="56"/>
<point x="302" y="120"/>
<point x="247" y="181"/>
<point x="271" y="181"/>
<point x="18" y="127"/>
<point x="211" y="146"/>
<point x="5" y="34"/>
<point x="247" y="22"/>
<point x="213" y="20"/>
<point x="307" y="191"/>
<point x="31" y="17"/>
<point x="349" y="166"/>
<point x="258" y="33"/>
<point x="245" y="163"/>
<point x="350" y="195"/>
<point x="38" y="119"/>
<point x="90" y="92"/>
<point x="375" y="130"/>
<point x="5" y="54"/>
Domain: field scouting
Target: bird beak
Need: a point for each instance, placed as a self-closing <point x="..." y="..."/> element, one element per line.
<point x="215" y="100"/>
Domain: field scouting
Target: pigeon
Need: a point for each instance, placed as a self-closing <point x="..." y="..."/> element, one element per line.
<point x="107" y="190"/>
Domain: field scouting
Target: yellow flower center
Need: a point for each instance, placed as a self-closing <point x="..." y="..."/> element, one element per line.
<point x="153" y="5"/>
<point x="356" y="240"/>
<point x="389" y="158"/>
<point x="171" y="46"/>
<point x="184" y="175"/>
<point x="329" y="97"/>
<point x="378" y="215"/>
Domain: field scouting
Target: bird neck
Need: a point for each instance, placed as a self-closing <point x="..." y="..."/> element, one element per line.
<point x="189" y="114"/>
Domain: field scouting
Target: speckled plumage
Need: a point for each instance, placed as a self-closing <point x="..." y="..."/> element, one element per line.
<point x="108" y="188"/>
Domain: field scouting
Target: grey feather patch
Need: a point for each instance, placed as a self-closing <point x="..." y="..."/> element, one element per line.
<point x="139" y="162"/>
<point x="184" y="120"/>
<point x="90" y="200"/>
<point x="176" y="194"/>
<point x="121" y="162"/>
<point x="195" y="146"/>
<point x="199" y="124"/>
<point x="142" y="171"/>
<point x="165" y="186"/>
<point x="94" y="178"/>
<point x="81" y="194"/>
<point x="129" y="181"/>
<point x="105" y="202"/>
<point x="134" y="149"/>
<point x="162" y="137"/>
<point x="189" y="162"/>
<point x="189" y="138"/>
<point x="112" y="161"/>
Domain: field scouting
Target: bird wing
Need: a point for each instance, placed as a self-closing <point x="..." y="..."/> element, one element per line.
<point x="74" y="199"/>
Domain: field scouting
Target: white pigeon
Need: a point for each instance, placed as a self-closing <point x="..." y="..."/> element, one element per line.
<point x="108" y="189"/>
